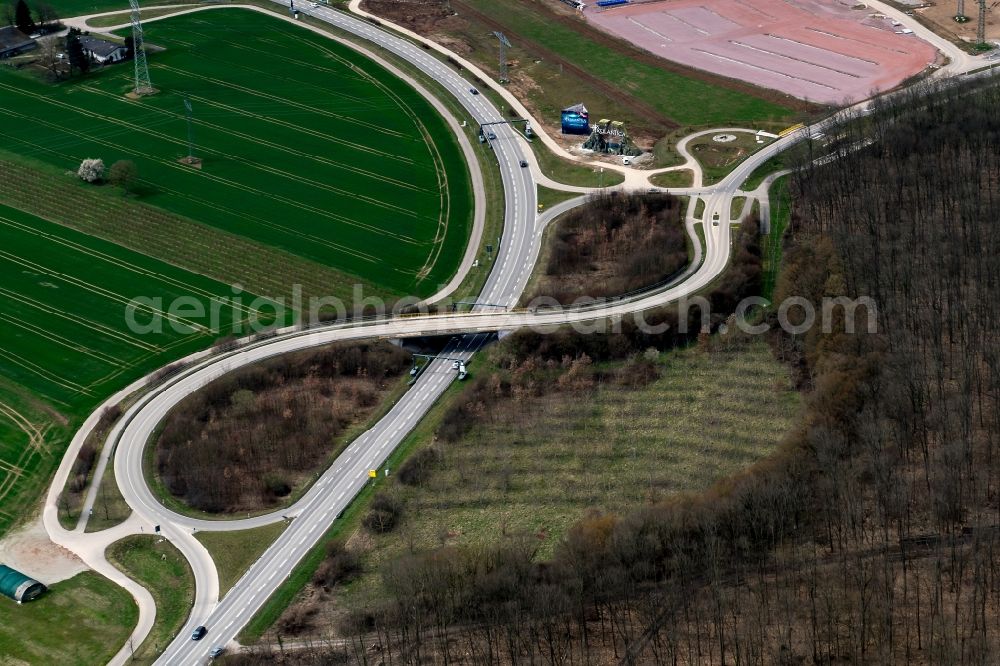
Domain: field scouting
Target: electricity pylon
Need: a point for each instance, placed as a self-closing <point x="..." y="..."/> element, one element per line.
<point x="504" y="45"/>
<point x="143" y="86"/>
<point x="981" y="30"/>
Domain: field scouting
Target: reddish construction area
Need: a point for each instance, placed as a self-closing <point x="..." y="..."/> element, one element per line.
<point x="820" y="50"/>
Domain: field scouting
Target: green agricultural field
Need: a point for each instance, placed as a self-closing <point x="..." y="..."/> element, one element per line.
<point x="63" y="303"/>
<point x="65" y="344"/>
<point x="32" y="437"/>
<point x="307" y="146"/>
<point x="67" y="8"/>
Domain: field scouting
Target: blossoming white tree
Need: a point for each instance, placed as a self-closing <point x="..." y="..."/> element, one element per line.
<point x="91" y="170"/>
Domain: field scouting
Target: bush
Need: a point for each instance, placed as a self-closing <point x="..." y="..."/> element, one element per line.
<point x="384" y="514"/>
<point x="637" y="372"/>
<point x="418" y="468"/>
<point x="277" y="486"/>
<point x="338" y="566"/>
<point x="625" y="241"/>
<point x="123" y="173"/>
<point x="110" y="414"/>
<point x="84" y="462"/>
<point x="91" y="170"/>
<point x="296" y="620"/>
<point x="255" y="434"/>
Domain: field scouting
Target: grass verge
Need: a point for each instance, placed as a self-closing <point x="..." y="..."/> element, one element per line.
<point x="547" y="197"/>
<point x="680" y="178"/>
<point x="719" y="159"/>
<point x="81" y="621"/>
<point x="234" y="552"/>
<point x="571" y="173"/>
<point x="736" y="207"/>
<point x="157" y="565"/>
<point x="776" y="163"/>
<point x="125" y="17"/>
<point x="110" y="508"/>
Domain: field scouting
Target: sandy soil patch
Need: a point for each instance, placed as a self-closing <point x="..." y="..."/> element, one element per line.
<point x="29" y="550"/>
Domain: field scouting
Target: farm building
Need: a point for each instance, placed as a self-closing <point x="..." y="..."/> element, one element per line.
<point x="17" y="586"/>
<point x="13" y="42"/>
<point x="102" y="51"/>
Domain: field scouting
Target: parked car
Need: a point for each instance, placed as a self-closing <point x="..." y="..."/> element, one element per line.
<point x="199" y="633"/>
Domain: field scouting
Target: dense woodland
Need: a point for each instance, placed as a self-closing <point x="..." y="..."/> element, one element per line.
<point x="871" y="538"/>
<point x="616" y="244"/>
<point x="212" y="455"/>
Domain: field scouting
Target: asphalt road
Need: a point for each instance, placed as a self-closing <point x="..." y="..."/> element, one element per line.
<point x="317" y="510"/>
<point x="335" y="489"/>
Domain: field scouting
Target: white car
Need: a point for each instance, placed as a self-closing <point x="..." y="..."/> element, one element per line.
<point x="455" y="365"/>
<point x="314" y="5"/>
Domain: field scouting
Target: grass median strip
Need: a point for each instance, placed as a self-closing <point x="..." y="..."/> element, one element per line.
<point x="234" y="552"/>
<point x="157" y="565"/>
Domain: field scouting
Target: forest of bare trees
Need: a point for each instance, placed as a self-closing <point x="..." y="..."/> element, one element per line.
<point x="873" y="536"/>
<point x="250" y="438"/>
<point x="617" y="243"/>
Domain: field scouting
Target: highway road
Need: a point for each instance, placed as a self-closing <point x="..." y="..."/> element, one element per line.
<point x="334" y="490"/>
<point x="312" y="515"/>
<point x="315" y="512"/>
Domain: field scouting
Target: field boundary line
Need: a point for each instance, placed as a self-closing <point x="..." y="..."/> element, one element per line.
<point x="43" y="373"/>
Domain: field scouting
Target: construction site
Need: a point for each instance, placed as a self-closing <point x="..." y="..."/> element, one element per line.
<point x="825" y="52"/>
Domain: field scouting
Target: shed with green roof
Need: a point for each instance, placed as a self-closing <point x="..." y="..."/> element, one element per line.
<point x="17" y="586"/>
